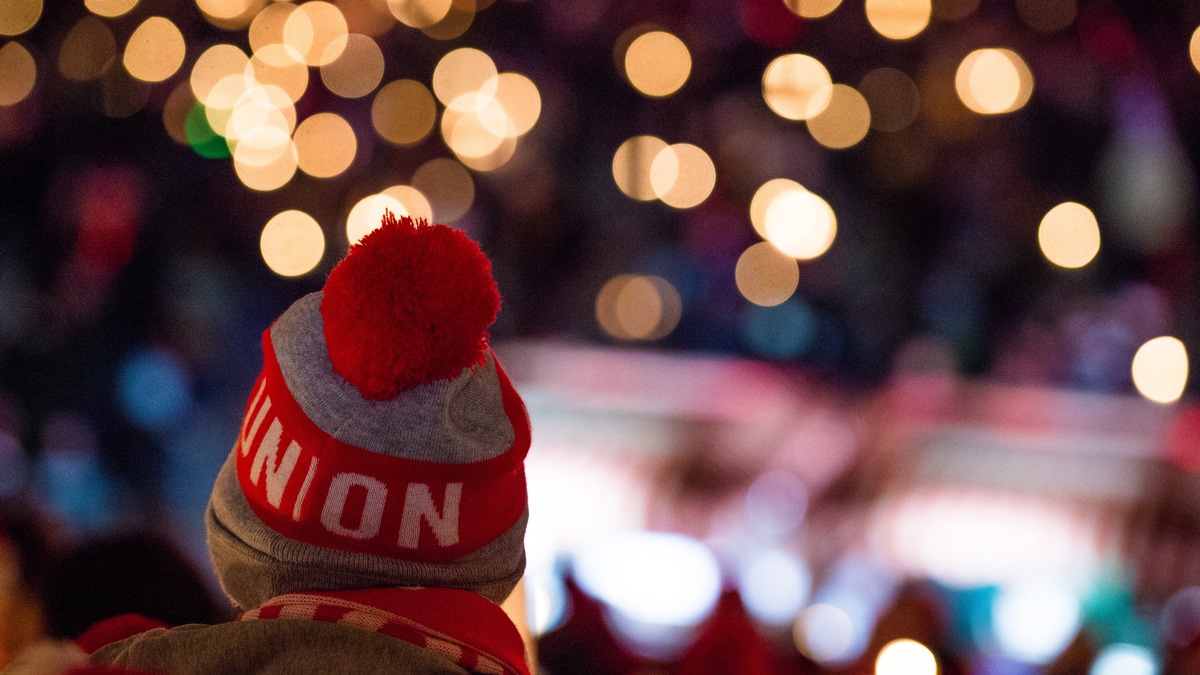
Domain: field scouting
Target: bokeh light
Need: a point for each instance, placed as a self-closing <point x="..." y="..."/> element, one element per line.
<point x="547" y="598"/>
<point x="175" y="112"/>
<point x="905" y="657"/>
<point x="419" y="13"/>
<point x="476" y="129"/>
<point x="1160" y="369"/>
<point x="636" y="307"/>
<point x="18" y="16"/>
<point x="1069" y="235"/>
<point x="657" y="63"/>
<point x="812" y="9"/>
<point x="263" y="118"/>
<point x="893" y="98"/>
<point x="656" y="578"/>
<point x="784" y="331"/>
<point x="1047" y="16"/>
<point x="899" y="19"/>
<point x="257" y="134"/>
<point x="800" y="223"/>
<point x="155" y="50"/>
<point x="796" y="86"/>
<point x="520" y="98"/>
<point x="993" y="81"/>
<point x="1125" y="659"/>
<point x="448" y="187"/>
<point x="274" y="65"/>
<point x="367" y="18"/>
<point x="261" y="104"/>
<point x="461" y="72"/>
<point x="230" y="14"/>
<point x="845" y="120"/>
<point x="271" y="175"/>
<point x="326" y="145"/>
<point x="403" y="112"/>
<point x="110" y="8"/>
<point x="1180" y="622"/>
<point x="774" y="586"/>
<point x="267" y="29"/>
<point x="313" y="30"/>
<point x="456" y="22"/>
<point x="18" y="73"/>
<point x="632" y="163"/>
<point x="413" y="202"/>
<point x="358" y="68"/>
<point x="153" y="388"/>
<point x="86" y="50"/>
<point x="492" y="160"/>
<point x="367" y="215"/>
<point x="214" y="65"/>
<point x="824" y="633"/>
<point x="200" y="135"/>
<point x="765" y="275"/>
<point x="223" y="99"/>
<point x="1036" y="620"/>
<point x="776" y="503"/>
<point x="1194" y="49"/>
<point x="682" y="175"/>
<point x="224" y="9"/>
<point x="763" y="197"/>
<point x="292" y="243"/>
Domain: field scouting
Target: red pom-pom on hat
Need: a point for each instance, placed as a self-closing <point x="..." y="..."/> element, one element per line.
<point x="410" y="304"/>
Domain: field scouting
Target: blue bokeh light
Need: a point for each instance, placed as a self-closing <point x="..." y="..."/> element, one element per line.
<point x="154" y="388"/>
<point x="786" y="330"/>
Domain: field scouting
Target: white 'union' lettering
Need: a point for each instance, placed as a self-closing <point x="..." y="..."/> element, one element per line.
<point x="335" y="504"/>
<point x="248" y="430"/>
<point x="279" y="471"/>
<point x="418" y="505"/>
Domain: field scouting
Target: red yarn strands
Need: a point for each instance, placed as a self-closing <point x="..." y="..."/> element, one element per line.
<point x="410" y="304"/>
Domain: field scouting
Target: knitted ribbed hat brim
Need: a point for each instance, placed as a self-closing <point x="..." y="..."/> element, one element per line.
<point x="254" y="563"/>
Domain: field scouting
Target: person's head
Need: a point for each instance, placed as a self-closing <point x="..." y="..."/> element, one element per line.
<point x="130" y="573"/>
<point x="382" y="445"/>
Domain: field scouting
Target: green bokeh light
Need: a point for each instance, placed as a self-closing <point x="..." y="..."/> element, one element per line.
<point x="200" y="135"/>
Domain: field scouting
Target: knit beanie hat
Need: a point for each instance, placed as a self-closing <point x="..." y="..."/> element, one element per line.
<point x="382" y="445"/>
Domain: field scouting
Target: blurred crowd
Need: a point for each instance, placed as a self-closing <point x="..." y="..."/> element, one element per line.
<point x="55" y="585"/>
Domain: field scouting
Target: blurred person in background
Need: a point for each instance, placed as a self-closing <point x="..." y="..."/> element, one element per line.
<point x="28" y="541"/>
<point x="126" y="573"/>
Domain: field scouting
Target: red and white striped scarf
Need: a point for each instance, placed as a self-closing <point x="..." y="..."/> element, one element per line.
<point x="461" y="626"/>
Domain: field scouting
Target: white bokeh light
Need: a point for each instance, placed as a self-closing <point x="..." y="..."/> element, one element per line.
<point x="651" y="577"/>
<point x="1125" y="659"/>
<point x="1035" y="621"/>
<point x="825" y="633"/>
<point x="774" y="587"/>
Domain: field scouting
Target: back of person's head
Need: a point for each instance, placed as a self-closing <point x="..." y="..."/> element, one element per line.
<point x="128" y="573"/>
<point x="382" y="445"/>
